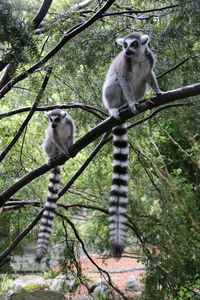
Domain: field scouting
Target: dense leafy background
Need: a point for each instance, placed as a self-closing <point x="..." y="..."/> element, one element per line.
<point x="164" y="152"/>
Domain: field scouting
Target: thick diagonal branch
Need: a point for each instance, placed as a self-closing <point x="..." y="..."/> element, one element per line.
<point x="101" y="128"/>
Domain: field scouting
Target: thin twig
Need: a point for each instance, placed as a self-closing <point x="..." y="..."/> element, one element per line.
<point x="100" y="129"/>
<point x="68" y="36"/>
<point x="102" y="271"/>
<point x="149" y="174"/>
<point x="177" y="144"/>
<point x="28" y="118"/>
<point x="151" y="115"/>
<point x="131" y="11"/>
<point x="22" y="202"/>
<point x="77" y="264"/>
<point x="20" y="236"/>
<point x="173" y="68"/>
<point x="84" y="165"/>
<point x="87" y="108"/>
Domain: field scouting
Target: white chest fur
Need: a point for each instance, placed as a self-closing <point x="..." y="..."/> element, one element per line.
<point x="138" y="78"/>
<point x="139" y="73"/>
<point x="63" y="131"/>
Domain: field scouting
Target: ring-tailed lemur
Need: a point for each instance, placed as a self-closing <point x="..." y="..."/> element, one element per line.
<point x="59" y="136"/>
<point x="125" y="83"/>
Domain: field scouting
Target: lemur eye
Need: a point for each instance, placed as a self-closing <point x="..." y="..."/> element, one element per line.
<point x="57" y="120"/>
<point x="135" y="44"/>
<point x="125" y="45"/>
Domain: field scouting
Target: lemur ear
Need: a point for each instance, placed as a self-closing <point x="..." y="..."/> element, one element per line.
<point x="46" y="114"/>
<point x="63" y="114"/>
<point x="144" y="39"/>
<point x="120" y="41"/>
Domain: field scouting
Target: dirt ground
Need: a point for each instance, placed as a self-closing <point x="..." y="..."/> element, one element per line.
<point x="114" y="268"/>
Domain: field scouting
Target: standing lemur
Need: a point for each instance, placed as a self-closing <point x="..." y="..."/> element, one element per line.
<point x="59" y="136"/>
<point x="125" y="83"/>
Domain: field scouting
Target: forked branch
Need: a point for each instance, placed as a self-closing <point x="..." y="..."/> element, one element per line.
<point x="101" y="128"/>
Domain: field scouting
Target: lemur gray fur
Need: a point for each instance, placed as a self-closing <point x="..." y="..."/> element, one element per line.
<point x="125" y="83"/>
<point x="59" y="136"/>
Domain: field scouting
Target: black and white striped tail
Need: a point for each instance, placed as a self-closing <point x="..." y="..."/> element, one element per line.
<point x="119" y="189"/>
<point x="48" y="214"/>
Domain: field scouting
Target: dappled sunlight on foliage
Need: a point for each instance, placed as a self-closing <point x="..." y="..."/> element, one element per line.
<point x="164" y="159"/>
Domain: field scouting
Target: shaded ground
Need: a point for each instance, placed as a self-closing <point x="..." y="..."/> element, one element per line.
<point x="119" y="271"/>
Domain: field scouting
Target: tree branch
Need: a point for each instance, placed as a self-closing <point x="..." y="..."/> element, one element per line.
<point x="24" y="124"/>
<point x="84" y="165"/>
<point x="68" y="36"/>
<point x="19" y="204"/>
<point x="8" y="73"/>
<point x="151" y="115"/>
<point x="173" y="68"/>
<point x="88" y="108"/>
<point x="11" y="65"/>
<point x="82" y="4"/>
<point x="102" y="271"/>
<point x="132" y="11"/>
<point x="16" y="241"/>
<point x="5" y="61"/>
<point x="41" y="13"/>
<point x="76" y="262"/>
<point x="23" y="202"/>
<point x="130" y="224"/>
<point x="20" y="236"/>
<point x="101" y="128"/>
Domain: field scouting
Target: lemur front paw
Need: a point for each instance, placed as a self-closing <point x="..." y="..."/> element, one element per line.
<point x="114" y="112"/>
<point x="67" y="154"/>
<point x="133" y="108"/>
<point x="49" y="161"/>
<point x="159" y="93"/>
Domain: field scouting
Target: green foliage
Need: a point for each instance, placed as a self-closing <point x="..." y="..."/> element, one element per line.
<point x="49" y="274"/>
<point x="191" y="292"/>
<point x="164" y="152"/>
<point x="5" y="282"/>
<point x="31" y="287"/>
<point x="15" y="35"/>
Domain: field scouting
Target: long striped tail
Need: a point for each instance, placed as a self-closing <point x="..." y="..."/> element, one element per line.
<point x="119" y="189"/>
<point x="48" y="214"/>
